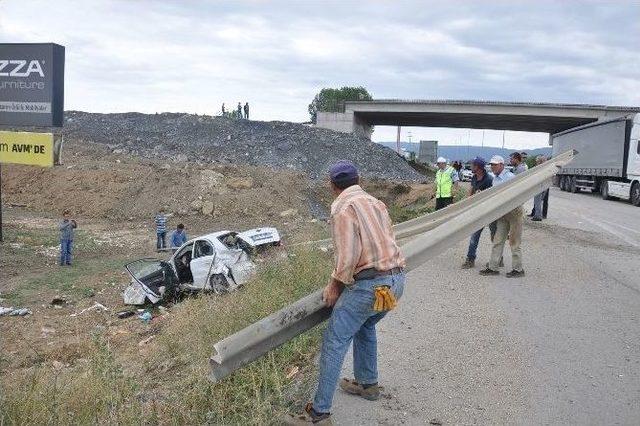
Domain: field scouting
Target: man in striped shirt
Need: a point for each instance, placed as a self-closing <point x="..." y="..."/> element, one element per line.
<point x="161" y="230"/>
<point x="367" y="261"/>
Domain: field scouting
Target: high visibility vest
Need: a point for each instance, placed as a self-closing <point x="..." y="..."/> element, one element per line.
<point x="444" y="182"/>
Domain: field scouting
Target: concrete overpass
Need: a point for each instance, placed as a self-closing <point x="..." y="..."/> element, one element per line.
<point x="359" y="116"/>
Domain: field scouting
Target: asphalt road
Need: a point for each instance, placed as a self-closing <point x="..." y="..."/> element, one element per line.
<point x="559" y="346"/>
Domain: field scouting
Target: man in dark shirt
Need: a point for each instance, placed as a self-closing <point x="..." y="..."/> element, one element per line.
<point x="480" y="181"/>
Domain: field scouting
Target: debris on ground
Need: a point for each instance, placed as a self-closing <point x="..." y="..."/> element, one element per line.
<point x="58" y="301"/>
<point x="14" y="312"/>
<point x="125" y="314"/>
<point x="147" y="340"/>
<point x="146" y="317"/>
<point x="95" y="307"/>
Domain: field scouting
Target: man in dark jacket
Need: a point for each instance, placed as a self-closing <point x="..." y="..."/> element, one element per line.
<point x="480" y="181"/>
<point x="66" y="228"/>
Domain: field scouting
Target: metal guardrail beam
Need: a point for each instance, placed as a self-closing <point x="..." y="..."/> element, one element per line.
<point x="431" y="238"/>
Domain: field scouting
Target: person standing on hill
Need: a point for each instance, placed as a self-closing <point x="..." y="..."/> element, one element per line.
<point x="446" y="182"/>
<point x="223" y="109"/>
<point x="161" y="230"/>
<point x="239" y="110"/>
<point x="246" y="110"/>
<point x="178" y="237"/>
<point x="66" y="228"/>
<point x="367" y="280"/>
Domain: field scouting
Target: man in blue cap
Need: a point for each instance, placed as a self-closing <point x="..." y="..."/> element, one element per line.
<point x="366" y="283"/>
<point x="480" y="181"/>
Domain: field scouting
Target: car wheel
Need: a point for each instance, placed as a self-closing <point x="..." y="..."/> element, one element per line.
<point x="604" y="190"/>
<point x="219" y="284"/>
<point x="635" y="194"/>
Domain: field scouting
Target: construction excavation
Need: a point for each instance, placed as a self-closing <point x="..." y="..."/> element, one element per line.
<point x="319" y="213"/>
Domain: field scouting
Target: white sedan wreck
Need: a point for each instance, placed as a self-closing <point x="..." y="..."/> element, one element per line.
<point x="218" y="262"/>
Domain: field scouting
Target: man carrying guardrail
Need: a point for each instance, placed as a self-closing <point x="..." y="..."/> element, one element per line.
<point x="366" y="282"/>
<point x="508" y="227"/>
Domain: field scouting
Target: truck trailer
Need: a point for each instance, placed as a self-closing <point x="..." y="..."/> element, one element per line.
<point x="608" y="159"/>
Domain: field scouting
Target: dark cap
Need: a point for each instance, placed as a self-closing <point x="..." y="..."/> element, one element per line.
<point x="479" y="161"/>
<point x="343" y="171"/>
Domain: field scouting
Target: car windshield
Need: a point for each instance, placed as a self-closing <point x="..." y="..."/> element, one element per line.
<point x="142" y="269"/>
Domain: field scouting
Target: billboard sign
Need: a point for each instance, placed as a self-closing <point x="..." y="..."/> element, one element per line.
<point x="34" y="149"/>
<point x="31" y="84"/>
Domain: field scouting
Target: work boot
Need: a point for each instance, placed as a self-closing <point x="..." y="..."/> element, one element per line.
<point x="308" y="416"/>
<point x="536" y="219"/>
<point x="489" y="272"/>
<point x="371" y="393"/>
<point x="468" y="264"/>
<point x="515" y="274"/>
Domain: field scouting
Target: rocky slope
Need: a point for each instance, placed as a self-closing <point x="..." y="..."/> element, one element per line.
<point x="205" y="139"/>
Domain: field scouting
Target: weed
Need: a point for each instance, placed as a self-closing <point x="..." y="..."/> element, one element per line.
<point x="169" y="384"/>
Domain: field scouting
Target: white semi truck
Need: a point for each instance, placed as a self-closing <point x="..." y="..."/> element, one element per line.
<point x="608" y="159"/>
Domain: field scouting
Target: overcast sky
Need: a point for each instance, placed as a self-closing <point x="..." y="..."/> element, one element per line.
<point x="191" y="56"/>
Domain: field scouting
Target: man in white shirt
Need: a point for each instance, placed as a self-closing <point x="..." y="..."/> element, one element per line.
<point x="508" y="226"/>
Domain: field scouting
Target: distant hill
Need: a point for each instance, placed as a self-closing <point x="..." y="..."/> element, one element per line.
<point x="468" y="152"/>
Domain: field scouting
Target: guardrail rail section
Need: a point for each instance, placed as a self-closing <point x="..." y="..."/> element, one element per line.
<point x="421" y="238"/>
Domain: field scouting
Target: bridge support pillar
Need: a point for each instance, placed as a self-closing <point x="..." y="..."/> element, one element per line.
<point x="346" y="122"/>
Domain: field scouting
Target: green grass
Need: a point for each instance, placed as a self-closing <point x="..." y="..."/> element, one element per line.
<point x="70" y="281"/>
<point x="420" y="207"/>
<point x="168" y="385"/>
<point x="21" y="251"/>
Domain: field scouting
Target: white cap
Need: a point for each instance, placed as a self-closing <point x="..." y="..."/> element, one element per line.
<point x="441" y="160"/>
<point x="496" y="159"/>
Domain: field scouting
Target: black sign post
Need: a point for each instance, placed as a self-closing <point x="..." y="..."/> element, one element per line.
<point x="31" y="90"/>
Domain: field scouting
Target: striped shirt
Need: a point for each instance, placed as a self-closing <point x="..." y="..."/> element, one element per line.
<point x="161" y="223"/>
<point x="362" y="235"/>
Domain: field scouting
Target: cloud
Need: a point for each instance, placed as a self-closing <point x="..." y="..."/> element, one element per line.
<point x="192" y="56"/>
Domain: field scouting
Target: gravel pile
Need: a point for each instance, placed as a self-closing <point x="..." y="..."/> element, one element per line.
<point x="282" y="145"/>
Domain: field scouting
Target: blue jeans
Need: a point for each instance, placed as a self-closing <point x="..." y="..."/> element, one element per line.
<point x="161" y="240"/>
<point x="537" y="205"/>
<point x="475" y="239"/>
<point x="65" y="252"/>
<point x="353" y="318"/>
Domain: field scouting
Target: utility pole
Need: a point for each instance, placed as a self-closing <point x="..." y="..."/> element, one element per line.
<point x="398" y="141"/>
<point x="503" y="139"/>
<point x="1" y="237"/>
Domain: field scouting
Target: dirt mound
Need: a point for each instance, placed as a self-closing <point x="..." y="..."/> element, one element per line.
<point x="281" y="145"/>
<point x="95" y="183"/>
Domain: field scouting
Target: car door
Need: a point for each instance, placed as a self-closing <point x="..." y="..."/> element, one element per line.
<point x="203" y="256"/>
<point x="154" y="278"/>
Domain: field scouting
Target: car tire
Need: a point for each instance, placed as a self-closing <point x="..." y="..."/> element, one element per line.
<point x="572" y="185"/>
<point x="604" y="190"/>
<point x="635" y="194"/>
<point x="219" y="284"/>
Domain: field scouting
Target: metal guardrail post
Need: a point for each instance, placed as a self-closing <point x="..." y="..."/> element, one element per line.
<point x="431" y="237"/>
